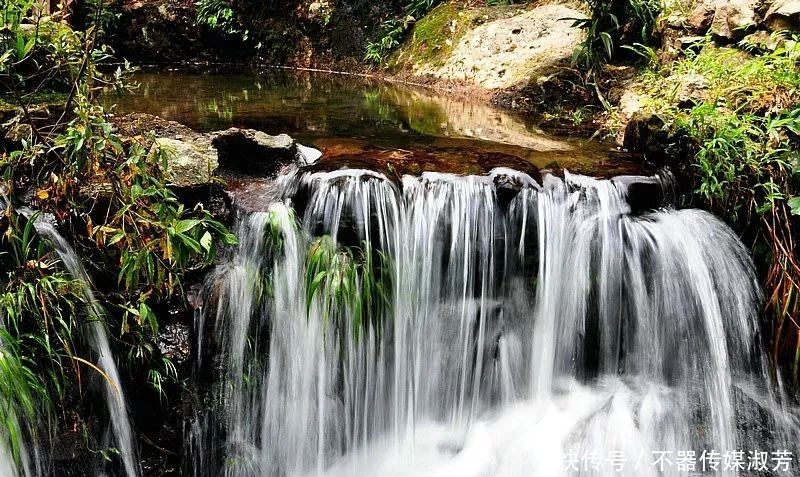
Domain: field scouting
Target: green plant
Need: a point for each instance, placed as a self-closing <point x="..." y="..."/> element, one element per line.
<point x="40" y="313"/>
<point x="744" y="123"/>
<point x="613" y="25"/>
<point x="111" y="198"/>
<point x="352" y="288"/>
<point x="219" y="15"/>
<point x="395" y="29"/>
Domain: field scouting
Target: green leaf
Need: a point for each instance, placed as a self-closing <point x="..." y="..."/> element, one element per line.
<point x="794" y="205"/>
<point x="186" y="225"/>
<point x="206" y="241"/>
<point x="116" y="238"/>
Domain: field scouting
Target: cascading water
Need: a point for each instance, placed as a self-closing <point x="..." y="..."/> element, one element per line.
<point x="532" y="330"/>
<point x="98" y="340"/>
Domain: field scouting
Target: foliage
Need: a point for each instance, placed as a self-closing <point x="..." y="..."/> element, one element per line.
<point x="394" y="30"/>
<point x="613" y="26"/>
<point x="352" y="288"/>
<point x="39" y="316"/>
<point x="110" y="197"/>
<point x="219" y="15"/>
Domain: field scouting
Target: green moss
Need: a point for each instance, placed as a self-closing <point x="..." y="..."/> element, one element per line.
<point x="435" y="36"/>
<point x="432" y="37"/>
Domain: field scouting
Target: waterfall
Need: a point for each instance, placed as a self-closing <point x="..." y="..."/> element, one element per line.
<point x="517" y="329"/>
<point x="98" y="340"/>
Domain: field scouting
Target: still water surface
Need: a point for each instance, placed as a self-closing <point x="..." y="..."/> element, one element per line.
<point x="342" y="114"/>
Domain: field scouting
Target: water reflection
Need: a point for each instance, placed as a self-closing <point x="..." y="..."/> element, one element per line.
<point x="317" y="107"/>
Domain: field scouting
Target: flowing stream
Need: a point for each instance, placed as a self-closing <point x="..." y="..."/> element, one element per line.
<point x="480" y="326"/>
<point x="98" y="340"/>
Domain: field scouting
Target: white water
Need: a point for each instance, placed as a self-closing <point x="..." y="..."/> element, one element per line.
<point x="98" y="340"/>
<point x="519" y="331"/>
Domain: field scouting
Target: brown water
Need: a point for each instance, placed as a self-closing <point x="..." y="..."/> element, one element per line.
<point x="353" y="116"/>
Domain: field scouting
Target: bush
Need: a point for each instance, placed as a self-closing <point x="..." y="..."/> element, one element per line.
<point x="110" y="197"/>
<point x="395" y="29"/>
<point x="614" y="27"/>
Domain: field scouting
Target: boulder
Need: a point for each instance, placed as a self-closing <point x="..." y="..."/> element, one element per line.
<point x="192" y="160"/>
<point x="630" y="103"/>
<point x="762" y="41"/>
<point x="190" y="164"/>
<point x="684" y="43"/>
<point x="515" y="51"/>
<point x="732" y="20"/>
<point x="783" y="15"/>
<point x="647" y="134"/>
<point x="700" y="18"/>
<point x="692" y="88"/>
<point x="255" y="152"/>
<point x="644" y="193"/>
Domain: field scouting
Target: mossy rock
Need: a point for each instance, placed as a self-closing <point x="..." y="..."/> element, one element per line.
<point x="434" y="37"/>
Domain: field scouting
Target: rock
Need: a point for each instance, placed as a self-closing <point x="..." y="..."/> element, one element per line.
<point x="630" y="103"/>
<point x="193" y="159"/>
<point x="174" y="342"/>
<point x="515" y="51"/>
<point x="190" y="164"/>
<point x="644" y="193"/>
<point x="783" y="15"/>
<point x="692" y="88"/>
<point x="166" y="32"/>
<point x="250" y="151"/>
<point x="688" y="42"/>
<point x="309" y="155"/>
<point x="700" y="18"/>
<point x="19" y="132"/>
<point x="761" y="41"/>
<point x="647" y="134"/>
<point x="733" y="19"/>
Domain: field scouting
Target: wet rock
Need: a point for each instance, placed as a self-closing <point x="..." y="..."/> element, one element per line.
<point x="173" y="342"/>
<point x="308" y="155"/>
<point x="190" y="163"/>
<point x="646" y="134"/>
<point x="732" y="20"/>
<point x="515" y="51"/>
<point x="508" y="184"/>
<point x="395" y="163"/>
<point x="645" y="193"/>
<point x="255" y="152"/>
<point x="783" y="15"/>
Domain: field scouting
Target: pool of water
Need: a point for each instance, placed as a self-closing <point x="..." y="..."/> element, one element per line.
<point x="343" y="114"/>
